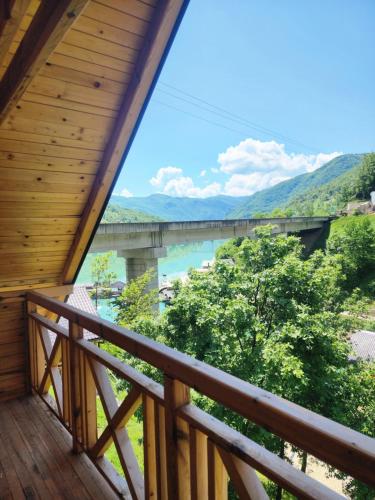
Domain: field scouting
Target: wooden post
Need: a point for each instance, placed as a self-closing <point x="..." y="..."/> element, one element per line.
<point x="30" y="308"/>
<point x="177" y="394"/>
<point x="198" y="465"/>
<point x="36" y="352"/>
<point x="75" y="333"/>
<point x="217" y="474"/>
<point x="149" y="447"/>
<point x="89" y="396"/>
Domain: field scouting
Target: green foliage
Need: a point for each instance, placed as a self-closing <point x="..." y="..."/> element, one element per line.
<point x="355" y="243"/>
<point x="136" y="300"/>
<point x="356" y="184"/>
<point x="100" y="273"/>
<point x="268" y="316"/>
<point x="116" y="213"/>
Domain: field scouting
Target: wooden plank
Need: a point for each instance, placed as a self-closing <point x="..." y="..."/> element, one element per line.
<point x="217" y="475"/>
<point x="50" y="163"/>
<point x="117" y="18"/>
<point x="11" y="26"/>
<point x="135" y="8"/>
<point x="63" y="471"/>
<point x="89" y="67"/>
<point x="198" y="465"/>
<point x="28" y="286"/>
<point x="44" y="197"/>
<point x="32" y="258"/>
<point x="120" y="137"/>
<point x="67" y="180"/>
<point x="58" y="129"/>
<point x="104" y="31"/>
<point x="48" y="27"/>
<point x="120" y="436"/>
<point x="59" y="89"/>
<point x="90" y="480"/>
<point x="18" y="135"/>
<point x="177" y="440"/>
<point x="80" y="78"/>
<point x="54" y="113"/>
<point x="87" y="55"/>
<point x="161" y="452"/>
<point x="69" y="105"/>
<point x="16" y="146"/>
<point x="120" y="418"/>
<point x="244" y="479"/>
<point x="149" y="447"/>
<point x="100" y="46"/>
<point x="75" y="332"/>
<point x="43" y="210"/>
<point x="56" y="226"/>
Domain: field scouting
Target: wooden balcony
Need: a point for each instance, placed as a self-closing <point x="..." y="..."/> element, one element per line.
<point x="36" y="459"/>
<point x="187" y="453"/>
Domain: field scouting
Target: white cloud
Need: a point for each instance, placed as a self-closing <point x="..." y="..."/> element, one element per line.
<point x="246" y="184"/>
<point x="171" y="181"/>
<point x="252" y="155"/>
<point x="250" y="166"/>
<point x="184" y="186"/>
<point x="126" y="193"/>
<point x="164" y="173"/>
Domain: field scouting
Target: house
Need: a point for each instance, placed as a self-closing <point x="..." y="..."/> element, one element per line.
<point x="75" y="78"/>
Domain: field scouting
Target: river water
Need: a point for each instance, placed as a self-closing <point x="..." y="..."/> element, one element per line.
<point x="180" y="258"/>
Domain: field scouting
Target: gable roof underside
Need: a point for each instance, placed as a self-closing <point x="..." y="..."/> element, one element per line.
<point x="75" y="79"/>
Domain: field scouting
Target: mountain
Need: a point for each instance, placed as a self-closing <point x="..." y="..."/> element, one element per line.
<point x="354" y="185"/>
<point x="116" y="213"/>
<point x="179" y="209"/>
<point x="290" y="193"/>
<point x="283" y="193"/>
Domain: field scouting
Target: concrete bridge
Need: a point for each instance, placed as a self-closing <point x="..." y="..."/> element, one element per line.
<point x="142" y="244"/>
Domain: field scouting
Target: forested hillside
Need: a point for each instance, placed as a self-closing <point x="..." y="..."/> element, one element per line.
<point x="172" y="208"/>
<point x="116" y="213"/>
<point x="281" y="195"/>
<point x="329" y="198"/>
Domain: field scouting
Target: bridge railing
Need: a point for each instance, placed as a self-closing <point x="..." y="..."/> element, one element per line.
<point x="187" y="453"/>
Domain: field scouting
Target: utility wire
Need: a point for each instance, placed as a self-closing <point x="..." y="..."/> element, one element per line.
<point x="198" y="117"/>
<point x="228" y="115"/>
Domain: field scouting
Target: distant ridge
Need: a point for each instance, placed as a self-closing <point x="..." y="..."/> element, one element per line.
<point x="169" y="208"/>
<point x="280" y="195"/>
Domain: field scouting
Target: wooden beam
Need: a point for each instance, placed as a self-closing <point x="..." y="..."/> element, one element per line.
<point x="49" y="25"/>
<point x="131" y="110"/>
<point x="9" y="23"/>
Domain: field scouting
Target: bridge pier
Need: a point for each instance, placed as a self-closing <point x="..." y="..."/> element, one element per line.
<point x="140" y="260"/>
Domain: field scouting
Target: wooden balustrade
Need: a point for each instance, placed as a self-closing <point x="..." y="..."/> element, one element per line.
<point x="187" y="453"/>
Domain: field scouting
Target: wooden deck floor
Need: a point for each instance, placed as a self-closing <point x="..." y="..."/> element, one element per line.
<point x="36" y="461"/>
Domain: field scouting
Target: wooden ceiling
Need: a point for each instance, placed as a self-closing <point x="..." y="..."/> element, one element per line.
<point x="75" y="77"/>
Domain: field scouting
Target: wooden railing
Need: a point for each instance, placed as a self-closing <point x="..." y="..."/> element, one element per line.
<point x="187" y="453"/>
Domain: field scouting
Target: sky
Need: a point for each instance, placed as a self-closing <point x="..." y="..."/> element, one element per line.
<point x="253" y="93"/>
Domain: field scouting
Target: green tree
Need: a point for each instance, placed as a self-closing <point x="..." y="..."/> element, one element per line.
<point x="136" y="301"/>
<point x="268" y="316"/>
<point x="366" y="177"/>
<point x="101" y="274"/>
<point x="356" y="246"/>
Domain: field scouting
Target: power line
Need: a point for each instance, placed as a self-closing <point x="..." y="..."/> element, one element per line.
<point x="197" y="116"/>
<point x="228" y="115"/>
